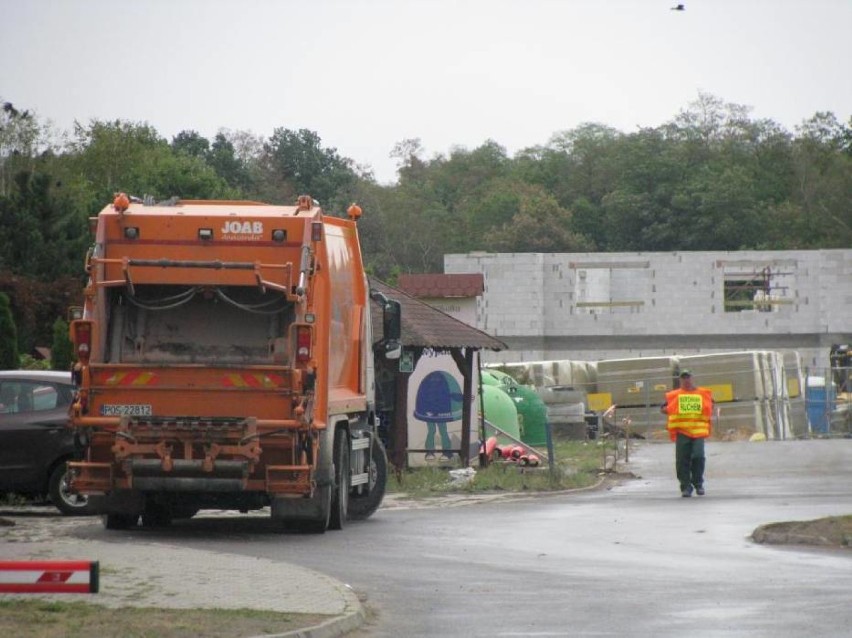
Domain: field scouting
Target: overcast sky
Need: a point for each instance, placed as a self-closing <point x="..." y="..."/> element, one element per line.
<point x="366" y="74"/>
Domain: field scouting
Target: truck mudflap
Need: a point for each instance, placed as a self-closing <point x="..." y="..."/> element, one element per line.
<point x="201" y="455"/>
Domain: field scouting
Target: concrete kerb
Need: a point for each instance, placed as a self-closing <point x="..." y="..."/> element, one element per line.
<point x="332" y="628"/>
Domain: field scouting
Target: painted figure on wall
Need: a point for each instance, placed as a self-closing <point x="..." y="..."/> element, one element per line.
<point x="439" y="402"/>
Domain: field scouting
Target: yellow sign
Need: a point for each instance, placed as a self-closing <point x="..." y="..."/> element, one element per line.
<point x="689" y="404"/>
<point x="793" y="389"/>
<point x="722" y="393"/>
<point x="599" y="401"/>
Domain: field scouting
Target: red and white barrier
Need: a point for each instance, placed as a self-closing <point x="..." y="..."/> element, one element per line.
<point x="49" y="576"/>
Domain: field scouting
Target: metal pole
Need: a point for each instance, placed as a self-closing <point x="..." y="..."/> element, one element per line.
<point x="551" y="458"/>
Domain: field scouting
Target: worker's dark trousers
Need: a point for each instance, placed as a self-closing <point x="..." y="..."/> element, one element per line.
<point x="689" y="461"/>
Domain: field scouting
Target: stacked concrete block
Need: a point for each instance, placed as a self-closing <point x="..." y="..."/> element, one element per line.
<point x="755" y="391"/>
<point x="739" y="373"/>
<point x="740" y="420"/>
<point x="776" y="400"/>
<point x="566" y="408"/>
<point x="746" y="385"/>
<point x="575" y="374"/>
<point x="637" y="382"/>
<point x="645" y="421"/>
<point x="794" y="374"/>
<point x="561" y="385"/>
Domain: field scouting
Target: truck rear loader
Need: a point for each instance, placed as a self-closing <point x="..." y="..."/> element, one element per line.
<point x="225" y="360"/>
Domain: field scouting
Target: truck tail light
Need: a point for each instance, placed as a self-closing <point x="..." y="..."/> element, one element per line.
<point x="303" y="344"/>
<point x="81" y="335"/>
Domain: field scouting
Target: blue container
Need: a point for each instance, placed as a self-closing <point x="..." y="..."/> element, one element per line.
<point x="819" y="404"/>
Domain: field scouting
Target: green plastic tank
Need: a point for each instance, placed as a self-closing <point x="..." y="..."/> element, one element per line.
<point x="501" y="411"/>
<point x="499" y="377"/>
<point x="532" y="414"/>
<point x="532" y="411"/>
<point x="489" y="378"/>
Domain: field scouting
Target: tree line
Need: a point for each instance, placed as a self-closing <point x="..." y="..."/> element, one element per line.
<point x="711" y="178"/>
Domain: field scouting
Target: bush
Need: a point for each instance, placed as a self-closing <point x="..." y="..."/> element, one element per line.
<point x="8" y="336"/>
<point x="62" y="350"/>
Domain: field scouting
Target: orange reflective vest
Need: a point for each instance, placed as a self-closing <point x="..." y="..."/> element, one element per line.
<point x="690" y="412"/>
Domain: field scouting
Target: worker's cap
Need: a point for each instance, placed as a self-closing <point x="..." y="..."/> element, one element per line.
<point x="685" y="373"/>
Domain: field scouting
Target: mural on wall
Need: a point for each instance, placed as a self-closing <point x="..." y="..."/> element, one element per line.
<point x="439" y="402"/>
<point x="435" y="411"/>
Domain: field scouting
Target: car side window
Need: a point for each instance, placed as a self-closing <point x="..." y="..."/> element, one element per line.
<point x="27" y="396"/>
<point x="9" y="391"/>
<point x="44" y="397"/>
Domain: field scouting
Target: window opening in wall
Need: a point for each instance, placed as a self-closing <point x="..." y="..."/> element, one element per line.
<point x="610" y="287"/>
<point x="756" y="289"/>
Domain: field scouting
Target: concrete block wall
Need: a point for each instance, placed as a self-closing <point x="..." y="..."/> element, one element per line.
<point x="514" y="298"/>
<point x="591" y="306"/>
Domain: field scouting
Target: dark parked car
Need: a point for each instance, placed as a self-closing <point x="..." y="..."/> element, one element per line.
<point x="34" y="440"/>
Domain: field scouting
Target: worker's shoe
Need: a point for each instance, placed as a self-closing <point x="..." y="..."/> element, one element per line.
<point x="687" y="492"/>
<point x="699" y="490"/>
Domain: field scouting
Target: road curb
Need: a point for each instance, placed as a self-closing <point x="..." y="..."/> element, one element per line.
<point x="331" y="628"/>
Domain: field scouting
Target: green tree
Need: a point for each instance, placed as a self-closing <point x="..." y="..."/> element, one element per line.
<point x="133" y="158"/>
<point x="42" y="235"/>
<point x="295" y="163"/>
<point x="62" y="350"/>
<point x="191" y="143"/>
<point x="223" y="158"/>
<point x="9" y="358"/>
<point x="540" y="225"/>
<point x="22" y="139"/>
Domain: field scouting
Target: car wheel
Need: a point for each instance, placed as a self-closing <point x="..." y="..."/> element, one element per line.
<point x="61" y="496"/>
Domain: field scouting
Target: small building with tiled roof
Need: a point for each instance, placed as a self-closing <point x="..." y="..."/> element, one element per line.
<point x="455" y="294"/>
<point x="425" y="331"/>
<point x="443" y="286"/>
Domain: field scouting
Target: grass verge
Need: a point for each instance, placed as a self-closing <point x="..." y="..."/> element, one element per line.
<point x="51" y="619"/>
<point x="577" y="464"/>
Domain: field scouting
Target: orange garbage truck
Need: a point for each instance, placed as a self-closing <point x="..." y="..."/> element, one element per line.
<point x="225" y="360"/>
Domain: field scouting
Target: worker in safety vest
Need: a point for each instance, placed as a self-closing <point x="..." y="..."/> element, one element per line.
<point x="690" y="410"/>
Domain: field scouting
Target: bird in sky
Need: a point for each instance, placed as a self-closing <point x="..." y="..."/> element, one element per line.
<point x="679" y="7"/>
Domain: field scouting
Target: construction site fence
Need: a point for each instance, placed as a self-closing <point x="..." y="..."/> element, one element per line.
<point x="783" y="402"/>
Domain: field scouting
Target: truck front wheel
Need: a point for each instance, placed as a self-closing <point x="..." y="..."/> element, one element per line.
<point x="362" y="507"/>
<point x="340" y="489"/>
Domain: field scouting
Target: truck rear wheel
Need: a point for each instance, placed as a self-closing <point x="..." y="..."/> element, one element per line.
<point x="156" y="515"/>
<point x="362" y="507"/>
<point x="120" y="520"/>
<point x="340" y="489"/>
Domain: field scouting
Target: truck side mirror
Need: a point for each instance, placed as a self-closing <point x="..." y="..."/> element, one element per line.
<point x="393" y="350"/>
<point x="391" y="324"/>
<point x="391" y="320"/>
<point x="392" y="328"/>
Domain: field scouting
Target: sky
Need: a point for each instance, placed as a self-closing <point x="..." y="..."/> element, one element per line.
<point x="367" y="74"/>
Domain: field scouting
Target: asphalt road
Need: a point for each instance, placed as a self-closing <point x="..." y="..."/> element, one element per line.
<point x="635" y="560"/>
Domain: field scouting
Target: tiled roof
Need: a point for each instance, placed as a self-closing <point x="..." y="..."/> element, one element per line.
<point x="426" y="327"/>
<point x="437" y="286"/>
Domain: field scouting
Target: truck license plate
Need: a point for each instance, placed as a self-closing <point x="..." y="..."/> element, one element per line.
<point x="126" y="410"/>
